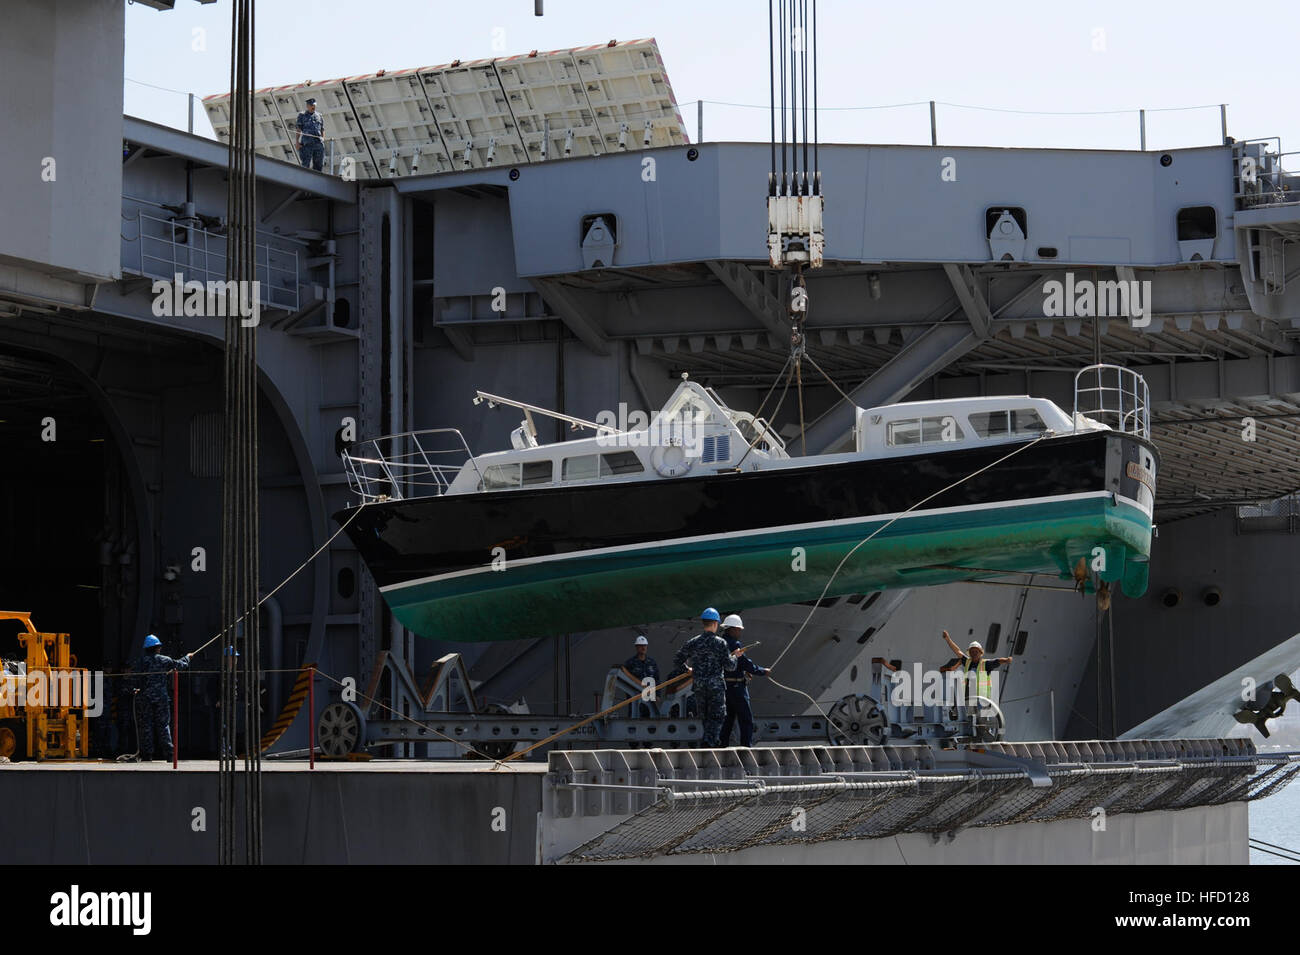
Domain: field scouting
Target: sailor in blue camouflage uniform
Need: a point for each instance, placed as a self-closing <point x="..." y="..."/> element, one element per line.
<point x="311" y="137"/>
<point x="644" y="668"/>
<point x="738" y="709"/>
<point x="155" y="701"/>
<point x="707" y="655"/>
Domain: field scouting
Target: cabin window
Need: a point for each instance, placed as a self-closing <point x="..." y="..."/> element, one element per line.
<point x="584" y="468"/>
<point x="924" y="430"/>
<point x="993" y="424"/>
<point x="538" y="472"/>
<point x="621" y="462"/>
<point x="588" y="467"/>
<point x="499" y="477"/>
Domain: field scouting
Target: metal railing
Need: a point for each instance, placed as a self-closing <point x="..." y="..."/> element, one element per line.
<point x="169" y="247"/>
<point x="1261" y="178"/>
<point x="1119" y="399"/>
<point x="410" y="464"/>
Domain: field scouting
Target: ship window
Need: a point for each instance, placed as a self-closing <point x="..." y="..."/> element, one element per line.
<point x="992" y="424"/>
<point x="621" y="462"/>
<point x="924" y="430"/>
<point x="583" y="468"/>
<point x="991" y="641"/>
<point x="587" y="467"/>
<point x="1021" y="639"/>
<point x="537" y="472"/>
<point x="500" y="476"/>
<point x="1027" y="421"/>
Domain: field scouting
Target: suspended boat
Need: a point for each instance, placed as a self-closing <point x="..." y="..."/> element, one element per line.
<point x="705" y="507"/>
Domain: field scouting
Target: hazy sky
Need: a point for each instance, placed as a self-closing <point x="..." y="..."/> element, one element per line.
<point x="1028" y="56"/>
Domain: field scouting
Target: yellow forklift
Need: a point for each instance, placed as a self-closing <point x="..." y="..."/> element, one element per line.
<point x="43" y="699"/>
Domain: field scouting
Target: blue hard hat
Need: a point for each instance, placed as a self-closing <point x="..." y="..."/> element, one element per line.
<point x="151" y="641"/>
<point x="710" y="614"/>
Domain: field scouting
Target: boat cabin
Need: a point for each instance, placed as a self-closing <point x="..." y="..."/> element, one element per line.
<point x="696" y="432"/>
<point x="914" y="426"/>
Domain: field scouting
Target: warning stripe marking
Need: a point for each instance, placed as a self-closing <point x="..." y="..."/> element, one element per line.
<point x="297" y="696"/>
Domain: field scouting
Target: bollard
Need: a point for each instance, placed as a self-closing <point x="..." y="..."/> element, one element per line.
<point x="176" y="718"/>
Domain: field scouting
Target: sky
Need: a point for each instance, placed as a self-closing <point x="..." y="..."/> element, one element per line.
<point x="1012" y="61"/>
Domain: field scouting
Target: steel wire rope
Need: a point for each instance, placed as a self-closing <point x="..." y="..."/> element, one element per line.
<point x="892" y="520"/>
<point x="775" y="411"/>
<point x="280" y="585"/>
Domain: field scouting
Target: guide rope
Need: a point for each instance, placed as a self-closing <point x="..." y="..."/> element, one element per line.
<point x="868" y="538"/>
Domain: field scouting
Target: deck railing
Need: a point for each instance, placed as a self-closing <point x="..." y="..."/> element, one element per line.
<point x="1115" y="397"/>
<point x="410" y="464"/>
<point x="165" y="248"/>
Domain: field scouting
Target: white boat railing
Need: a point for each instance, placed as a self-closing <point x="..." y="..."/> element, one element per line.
<point x="410" y="464"/>
<point x="1115" y="397"/>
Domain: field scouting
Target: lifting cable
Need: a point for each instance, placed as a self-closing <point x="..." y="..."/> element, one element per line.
<point x="239" y="484"/>
<point x="791" y="58"/>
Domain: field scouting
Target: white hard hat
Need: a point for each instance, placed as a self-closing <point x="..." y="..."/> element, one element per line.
<point x="641" y="641"/>
<point x="976" y="645"/>
<point x="733" y="620"/>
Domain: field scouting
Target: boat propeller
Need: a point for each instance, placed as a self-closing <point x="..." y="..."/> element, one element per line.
<point x="1258" y="716"/>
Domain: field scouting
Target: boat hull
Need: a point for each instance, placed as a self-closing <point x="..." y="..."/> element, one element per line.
<point x="531" y="563"/>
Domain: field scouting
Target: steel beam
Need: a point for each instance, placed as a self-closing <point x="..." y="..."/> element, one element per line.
<point x="571" y="311"/>
<point x="971" y="298"/>
<point x="761" y="303"/>
<point x="925" y="355"/>
<point x="207" y="152"/>
<point x="460" y="340"/>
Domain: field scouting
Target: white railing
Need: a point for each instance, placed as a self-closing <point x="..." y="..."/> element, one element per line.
<point x="1115" y="397"/>
<point x="1261" y="178"/>
<point x="165" y="248"/>
<point x="410" y="464"/>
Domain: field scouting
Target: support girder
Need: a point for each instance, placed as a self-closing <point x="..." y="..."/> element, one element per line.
<point x="761" y="303"/>
<point x="569" y="307"/>
<point x="971" y="298"/>
<point x="925" y="355"/>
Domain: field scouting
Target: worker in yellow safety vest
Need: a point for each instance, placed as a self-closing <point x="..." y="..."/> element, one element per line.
<point x="973" y="657"/>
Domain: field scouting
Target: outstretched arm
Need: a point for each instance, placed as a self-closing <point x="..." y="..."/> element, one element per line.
<point x="955" y="649"/>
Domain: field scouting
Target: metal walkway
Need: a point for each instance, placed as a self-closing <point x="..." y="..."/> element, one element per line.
<point x="607" y="805"/>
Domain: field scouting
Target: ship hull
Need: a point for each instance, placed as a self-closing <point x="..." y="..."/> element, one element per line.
<point x="530" y="563"/>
